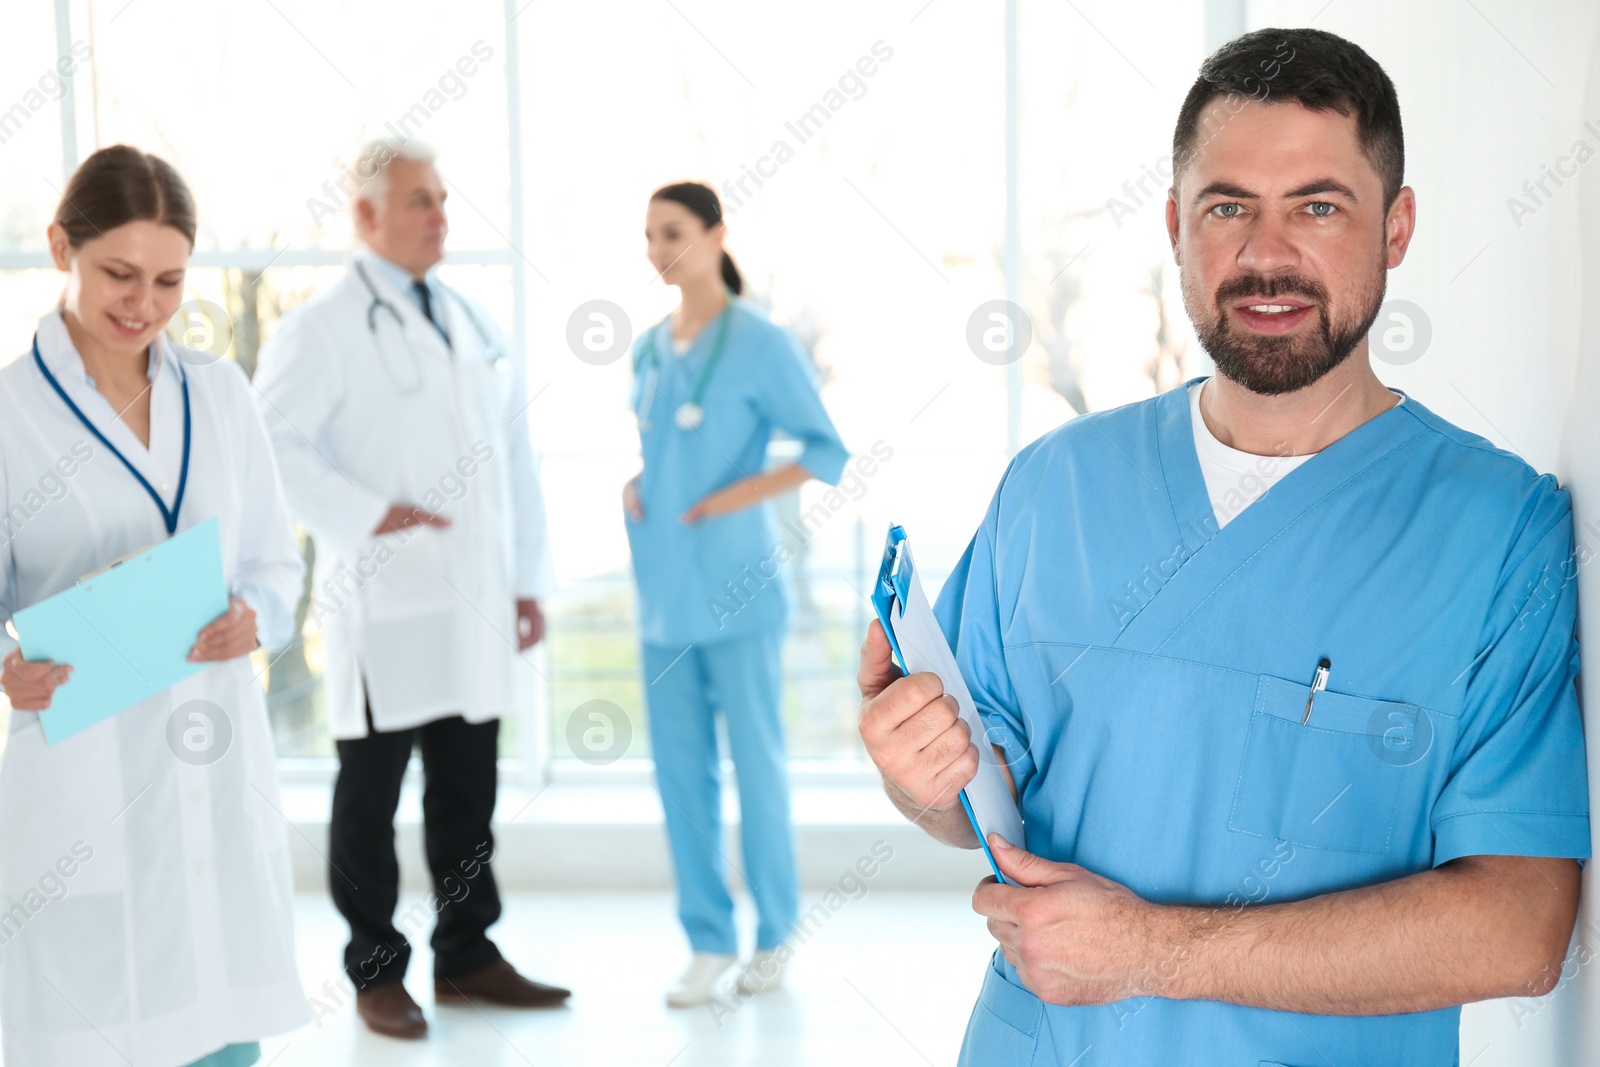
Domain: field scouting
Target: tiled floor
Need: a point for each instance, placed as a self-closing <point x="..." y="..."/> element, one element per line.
<point x="886" y="979"/>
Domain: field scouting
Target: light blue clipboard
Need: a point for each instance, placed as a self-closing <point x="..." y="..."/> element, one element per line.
<point x="126" y="631"/>
<point x="919" y="645"/>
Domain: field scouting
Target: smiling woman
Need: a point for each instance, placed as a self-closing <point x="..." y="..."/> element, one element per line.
<point x="116" y="973"/>
<point x="124" y="290"/>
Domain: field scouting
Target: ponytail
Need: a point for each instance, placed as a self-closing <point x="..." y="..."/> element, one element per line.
<point x="730" y="275"/>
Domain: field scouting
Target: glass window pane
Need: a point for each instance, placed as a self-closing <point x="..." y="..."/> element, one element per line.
<point x="36" y="73"/>
<point x="277" y="98"/>
<point x="1099" y="285"/>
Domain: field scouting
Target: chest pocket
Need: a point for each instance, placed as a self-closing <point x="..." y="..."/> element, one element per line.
<point x="484" y="387"/>
<point x="1334" y="783"/>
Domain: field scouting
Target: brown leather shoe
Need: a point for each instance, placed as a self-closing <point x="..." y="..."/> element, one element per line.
<point x="389" y="1010"/>
<point x="499" y="983"/>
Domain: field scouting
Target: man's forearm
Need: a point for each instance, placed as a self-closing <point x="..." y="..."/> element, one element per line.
<point x="1475" y="928"/>
<point x="950" y="825"/>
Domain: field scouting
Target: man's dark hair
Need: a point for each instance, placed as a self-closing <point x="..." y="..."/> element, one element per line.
<point x="1313" y="68"/>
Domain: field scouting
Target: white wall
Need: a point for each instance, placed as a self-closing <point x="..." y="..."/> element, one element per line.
<point x="1490" y="92"/>
<point x="1578" y="1010"/>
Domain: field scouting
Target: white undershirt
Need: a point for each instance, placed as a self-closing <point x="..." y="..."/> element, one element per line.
<point x="1234" y="479"/>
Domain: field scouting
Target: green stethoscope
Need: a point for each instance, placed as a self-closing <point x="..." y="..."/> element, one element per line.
<point x="689" y="415"/>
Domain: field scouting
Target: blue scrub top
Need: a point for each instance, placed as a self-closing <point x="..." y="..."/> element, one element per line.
<point x="721" y="577"/>
<point x="1146" y="674"/>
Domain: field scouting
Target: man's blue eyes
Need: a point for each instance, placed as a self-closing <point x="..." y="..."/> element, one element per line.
<point x="1319" y="209"/>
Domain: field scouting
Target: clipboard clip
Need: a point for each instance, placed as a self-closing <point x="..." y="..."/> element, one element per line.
<point x="892" y="586"/>
<point x="135" y="554"/>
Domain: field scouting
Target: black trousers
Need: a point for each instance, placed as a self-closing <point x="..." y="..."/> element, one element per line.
<point x="458" y="765"/>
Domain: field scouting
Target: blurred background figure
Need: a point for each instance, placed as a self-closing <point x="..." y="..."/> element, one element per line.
<point x="397" y="409"/>
<point x="712" y="381"/>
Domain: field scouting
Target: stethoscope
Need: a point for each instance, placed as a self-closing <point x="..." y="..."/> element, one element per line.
<point x="692" y="414"/>
<point x="491" y="350"/>
<point x="169" y="516"/>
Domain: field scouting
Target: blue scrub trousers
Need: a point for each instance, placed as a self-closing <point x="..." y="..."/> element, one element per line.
<point x="232" y="1056"/>
<point x="742" y="680"/>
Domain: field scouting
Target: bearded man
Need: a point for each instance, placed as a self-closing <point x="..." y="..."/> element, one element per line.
<point x="1281" y="663"/>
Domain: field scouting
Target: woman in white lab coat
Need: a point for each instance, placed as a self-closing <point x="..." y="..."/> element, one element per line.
<point x="145" y="900"/>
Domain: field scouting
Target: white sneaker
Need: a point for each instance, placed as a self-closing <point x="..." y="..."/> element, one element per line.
<point x="765" y="971"/>
<point x="700" y="982"/>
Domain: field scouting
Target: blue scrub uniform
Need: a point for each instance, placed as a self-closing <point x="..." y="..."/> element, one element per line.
<point x="713" y="606"/>
<point x="1147" y="673"/>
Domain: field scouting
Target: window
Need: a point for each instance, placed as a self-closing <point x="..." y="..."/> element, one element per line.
<point x="862" y="157"/>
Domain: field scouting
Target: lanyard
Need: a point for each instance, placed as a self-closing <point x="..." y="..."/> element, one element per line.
<point x="691" y="414"/>
<point x="170" y="518"/>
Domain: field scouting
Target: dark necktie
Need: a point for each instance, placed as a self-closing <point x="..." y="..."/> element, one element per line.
<point x="427" y="308"/>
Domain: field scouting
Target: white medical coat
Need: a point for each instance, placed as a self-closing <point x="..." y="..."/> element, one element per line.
<point x="145" y="900"/>
<point x="421" y="623"/>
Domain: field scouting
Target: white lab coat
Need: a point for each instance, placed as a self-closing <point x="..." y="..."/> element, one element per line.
<point x="145" y="902"/>
<point x="422" y="623"/>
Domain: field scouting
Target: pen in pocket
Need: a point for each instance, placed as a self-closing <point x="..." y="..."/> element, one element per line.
<point x="1318" y="683"/>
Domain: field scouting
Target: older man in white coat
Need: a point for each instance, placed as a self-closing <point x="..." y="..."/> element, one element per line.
<point x="397" y="410"/>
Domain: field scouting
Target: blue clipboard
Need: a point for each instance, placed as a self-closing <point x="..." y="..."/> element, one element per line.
<point x="126" y="631"/>
<point x="918" y="644"/>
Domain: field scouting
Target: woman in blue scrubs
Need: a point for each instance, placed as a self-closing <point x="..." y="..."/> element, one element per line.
<point x="712" y="381"/>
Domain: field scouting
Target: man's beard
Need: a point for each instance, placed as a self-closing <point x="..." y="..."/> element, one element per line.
<point x="1273" y="365"/>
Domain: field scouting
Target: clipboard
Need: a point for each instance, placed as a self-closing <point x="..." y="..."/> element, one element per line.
<point x="126" y="629"/>
<point x="918" y="644"/>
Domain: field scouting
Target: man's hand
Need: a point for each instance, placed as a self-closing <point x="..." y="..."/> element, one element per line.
<point x="917" y="738"/>
<point x="530" y="624"/>
<point x="404" y="516"/>
<point x="31" y="684"/>
<point x="229" y="636"/>
<point x="1074" y="937"/>
<point x="1471" y="929"/>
